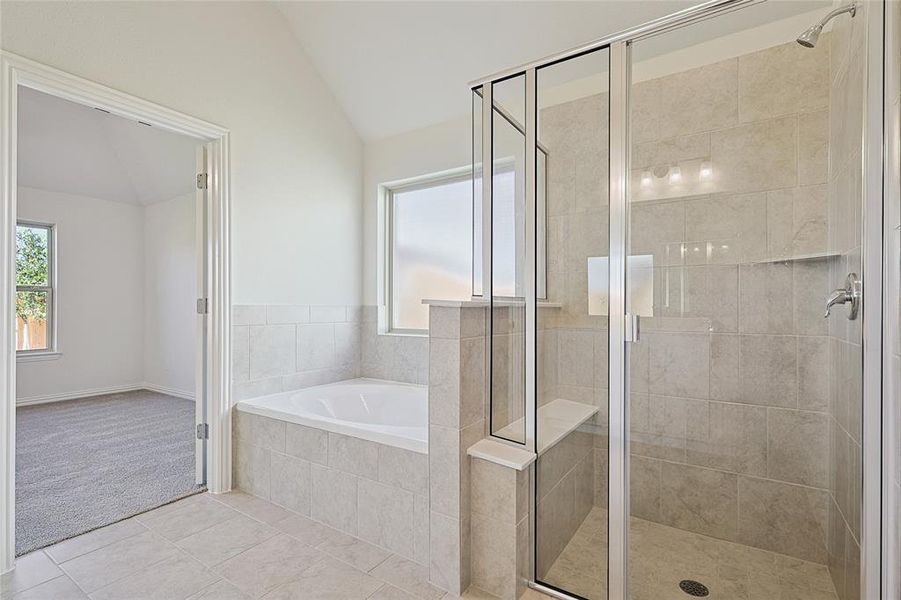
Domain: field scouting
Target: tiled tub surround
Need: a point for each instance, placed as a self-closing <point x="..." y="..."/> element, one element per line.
<point x="372" y="491"/>
<point x="277" y="348"/>
<point x="380" y="411"/>
<point x="730" y="404"/>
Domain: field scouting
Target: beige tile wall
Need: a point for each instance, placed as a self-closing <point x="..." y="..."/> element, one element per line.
<point x="500" y="529"/>
<point x="457" y="408"/>
<point x="846" y="75"/>
<point x="375" y="492"/>
<point x="278" y="348"/>
<point x="730" y="402"/>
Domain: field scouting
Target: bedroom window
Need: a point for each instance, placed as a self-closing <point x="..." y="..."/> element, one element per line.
<point x="34" y="288"/>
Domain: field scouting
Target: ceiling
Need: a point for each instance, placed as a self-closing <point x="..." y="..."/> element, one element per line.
<point x="400" y="66"/>
<point x="96" y="154"/>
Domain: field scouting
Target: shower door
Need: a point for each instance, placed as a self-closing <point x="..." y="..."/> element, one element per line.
<point x="744" y="215"/>
<point x="686" y="200"/>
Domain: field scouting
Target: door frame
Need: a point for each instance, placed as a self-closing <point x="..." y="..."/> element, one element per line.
<point x="17" y="71"/>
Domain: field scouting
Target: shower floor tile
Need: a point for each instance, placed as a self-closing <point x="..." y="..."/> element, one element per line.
<point x="663" y="556"/>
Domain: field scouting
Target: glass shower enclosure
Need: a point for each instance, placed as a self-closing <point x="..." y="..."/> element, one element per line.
<point x="664" y="216"/>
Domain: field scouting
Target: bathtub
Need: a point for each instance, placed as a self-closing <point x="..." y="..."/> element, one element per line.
<point x="386" y="412"/>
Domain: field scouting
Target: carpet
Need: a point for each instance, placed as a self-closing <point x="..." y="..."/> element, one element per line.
<point x="82" y="464"/>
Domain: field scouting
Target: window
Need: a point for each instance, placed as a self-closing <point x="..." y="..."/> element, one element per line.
<point x="430" y="248"/>
<point x="34" y="288"/>
<point x="430" y="243"/>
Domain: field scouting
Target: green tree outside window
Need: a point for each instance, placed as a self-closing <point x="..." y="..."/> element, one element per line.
<point x="32" y="271"/>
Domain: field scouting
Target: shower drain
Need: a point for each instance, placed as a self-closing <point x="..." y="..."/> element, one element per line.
<point x="694" y="588"/>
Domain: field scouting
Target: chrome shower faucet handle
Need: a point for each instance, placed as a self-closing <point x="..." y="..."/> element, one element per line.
<point x="850" y="294"/>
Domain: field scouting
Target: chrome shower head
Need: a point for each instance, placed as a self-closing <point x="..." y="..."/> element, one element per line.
<point x="809" y="38"/>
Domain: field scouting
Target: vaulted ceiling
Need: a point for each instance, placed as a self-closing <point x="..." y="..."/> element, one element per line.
<point x="76" y="149"/>
<point x="399" y="66"/>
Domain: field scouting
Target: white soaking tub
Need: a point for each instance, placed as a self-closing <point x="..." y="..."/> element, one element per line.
<point x="387" y="412"/>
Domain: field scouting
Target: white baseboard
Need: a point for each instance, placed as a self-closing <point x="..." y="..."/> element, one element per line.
<point x="103" y="391"/>
<point x="168" y="391"/>
<point x="78" y="394"/>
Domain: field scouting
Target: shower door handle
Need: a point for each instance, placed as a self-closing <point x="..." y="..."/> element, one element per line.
<point x="850" y="294"/>
<point x="633" y="328"/>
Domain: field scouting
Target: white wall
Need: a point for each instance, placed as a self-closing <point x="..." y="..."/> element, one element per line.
<point x="434" y="149"/>
<point x="296" y="161"/>
<point x="170" y="293"/>
<point x="125" y="298"/>
<point x="99" y="296"/>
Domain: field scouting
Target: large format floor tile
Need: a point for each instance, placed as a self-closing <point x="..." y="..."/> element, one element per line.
<point x="229" y="547"/>
<point x="102" y="567"/>
<point x="31" y="570"/>
<point x="175" y="578"/>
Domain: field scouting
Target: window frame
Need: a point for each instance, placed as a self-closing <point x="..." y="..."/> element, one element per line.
<point x="421" y="183"/>
<point x="50" y="289"/>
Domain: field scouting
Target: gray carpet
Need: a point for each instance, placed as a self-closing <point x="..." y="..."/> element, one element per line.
<point x="83" y="464"/>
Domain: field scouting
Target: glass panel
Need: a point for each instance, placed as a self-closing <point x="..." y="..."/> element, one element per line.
<point x="32" y="321"/>
<point x="32" y="253"/>
<point x="477" y="191"/>
<point x="744" y="214"/>
<point x="431" y="248"/>
<point x="507" y="261"/>
<point x="571" y="471"/>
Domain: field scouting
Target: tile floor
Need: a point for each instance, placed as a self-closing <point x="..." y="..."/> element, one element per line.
<point x="228" y="547"/>
<point x="662" y="556"/>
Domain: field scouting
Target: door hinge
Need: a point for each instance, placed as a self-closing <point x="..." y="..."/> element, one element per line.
<point x="202" y="181"/>
<point x="203" y="431"/>
<point x="203" y="306"/>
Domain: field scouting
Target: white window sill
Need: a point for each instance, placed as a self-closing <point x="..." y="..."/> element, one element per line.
<point x="423" y="334"/>
<point x="37" y="356"/>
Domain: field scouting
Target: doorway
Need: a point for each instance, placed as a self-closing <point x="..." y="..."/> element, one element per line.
<point x="209" y="429"/>
<point x="109" y="346"/>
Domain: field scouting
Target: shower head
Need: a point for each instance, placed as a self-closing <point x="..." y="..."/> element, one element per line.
<point x="809" y="38"/>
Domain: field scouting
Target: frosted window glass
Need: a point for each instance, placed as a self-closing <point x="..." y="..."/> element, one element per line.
<point x="432" y="249"/>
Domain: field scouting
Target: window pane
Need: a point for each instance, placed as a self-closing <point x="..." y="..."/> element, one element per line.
<point x="32" y="331"/>
<point x="432" y="253"/>
<point x="31" y="255"/>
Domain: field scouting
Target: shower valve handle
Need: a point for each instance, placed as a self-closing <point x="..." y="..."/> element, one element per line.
<point x="850" y="294"/>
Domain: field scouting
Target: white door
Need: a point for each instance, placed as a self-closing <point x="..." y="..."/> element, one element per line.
<point x="200" y="379"/>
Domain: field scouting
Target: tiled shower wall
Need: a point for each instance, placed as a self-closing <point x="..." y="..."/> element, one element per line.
<point x="846" y="73"/>
<point x="278" y="348"/>
<point x="730" y="402"/>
